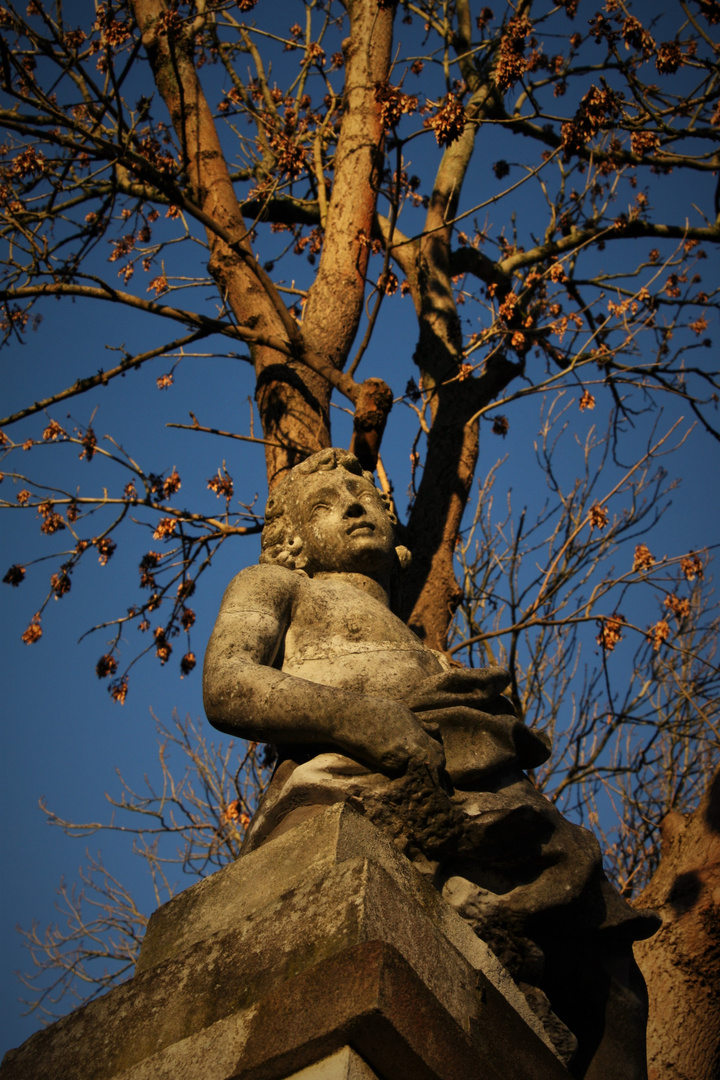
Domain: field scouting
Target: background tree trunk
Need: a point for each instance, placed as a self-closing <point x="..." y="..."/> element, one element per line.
<point x="681" y="963"/>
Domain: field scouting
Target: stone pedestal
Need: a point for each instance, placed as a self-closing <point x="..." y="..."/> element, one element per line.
<point x="324" y="955"/>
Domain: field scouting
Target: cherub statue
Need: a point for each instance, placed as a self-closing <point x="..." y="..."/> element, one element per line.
<point x="307" y="654"/>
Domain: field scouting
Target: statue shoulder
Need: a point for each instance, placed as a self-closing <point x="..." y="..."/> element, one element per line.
<point x="263" y="586"/>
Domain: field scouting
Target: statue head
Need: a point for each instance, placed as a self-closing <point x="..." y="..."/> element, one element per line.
<point x="327" y="515"/>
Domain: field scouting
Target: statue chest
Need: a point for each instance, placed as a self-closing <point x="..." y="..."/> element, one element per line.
<point x="342" y="637"/>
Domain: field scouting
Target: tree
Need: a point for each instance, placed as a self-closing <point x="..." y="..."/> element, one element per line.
<point x="210" y="148"/>
<point x="644" y="738"/>
<point x="684" y="890"/>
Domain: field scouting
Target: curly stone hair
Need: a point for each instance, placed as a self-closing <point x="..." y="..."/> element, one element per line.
<point x="281" y="543"/>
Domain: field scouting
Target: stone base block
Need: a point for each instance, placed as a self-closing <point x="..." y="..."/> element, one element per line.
<point x="324" y="942"/>
<point x="343" y="1065"/>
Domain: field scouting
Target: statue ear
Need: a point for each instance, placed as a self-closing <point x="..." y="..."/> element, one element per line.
<point x="404" y="556"/>
<point x="389" y="505"/>
<point x="290" y="554"/>
<point x="296" y="559"/>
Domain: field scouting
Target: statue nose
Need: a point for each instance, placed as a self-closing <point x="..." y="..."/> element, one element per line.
<point x="354" y="509"/>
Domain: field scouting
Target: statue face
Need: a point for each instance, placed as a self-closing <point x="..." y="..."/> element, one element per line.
<point x="344" y="525"/>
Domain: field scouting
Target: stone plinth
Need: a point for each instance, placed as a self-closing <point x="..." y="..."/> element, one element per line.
<point x="344" y="1064"/>
<point x="324" y="955"/>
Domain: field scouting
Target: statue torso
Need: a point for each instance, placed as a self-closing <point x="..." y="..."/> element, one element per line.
<point x="343" y="636"/>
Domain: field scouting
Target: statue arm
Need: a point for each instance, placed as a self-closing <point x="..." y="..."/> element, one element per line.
<point x="245" y="696"/>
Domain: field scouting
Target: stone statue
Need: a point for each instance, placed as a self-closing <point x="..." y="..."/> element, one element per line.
<point x="307" y="655"/>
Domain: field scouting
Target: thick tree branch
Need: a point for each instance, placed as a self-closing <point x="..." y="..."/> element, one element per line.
<point x="286" y="396"/>
<point x="469" y="260"/>
<point x="335" y="300"/>
<point x="630" y="230"/>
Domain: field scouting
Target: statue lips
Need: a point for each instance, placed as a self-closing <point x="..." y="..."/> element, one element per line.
<point x="356" y="526"/>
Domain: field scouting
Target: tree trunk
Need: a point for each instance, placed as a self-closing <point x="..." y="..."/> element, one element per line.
<point x="293" y="402"/>
<point x="681" y="963"/>
<point x="335" y="300"/>
<point x="293" y="394"/>
<point x="431" y="591"/>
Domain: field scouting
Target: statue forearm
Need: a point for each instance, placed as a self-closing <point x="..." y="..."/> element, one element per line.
<point x="258" y="702"/>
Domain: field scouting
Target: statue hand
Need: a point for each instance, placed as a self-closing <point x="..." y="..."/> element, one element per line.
<point x="391" y="737"/>
<point x="470" y="687"/>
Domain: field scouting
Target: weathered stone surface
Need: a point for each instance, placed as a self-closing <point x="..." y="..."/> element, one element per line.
<point x="211" y="1054"/>
<point x="345" y="1064"/>
<point x="305" y="855"/>
<point x="354" y="953"/>
<point x="174" y="1003"/>
<point x="374" y="1000"/>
